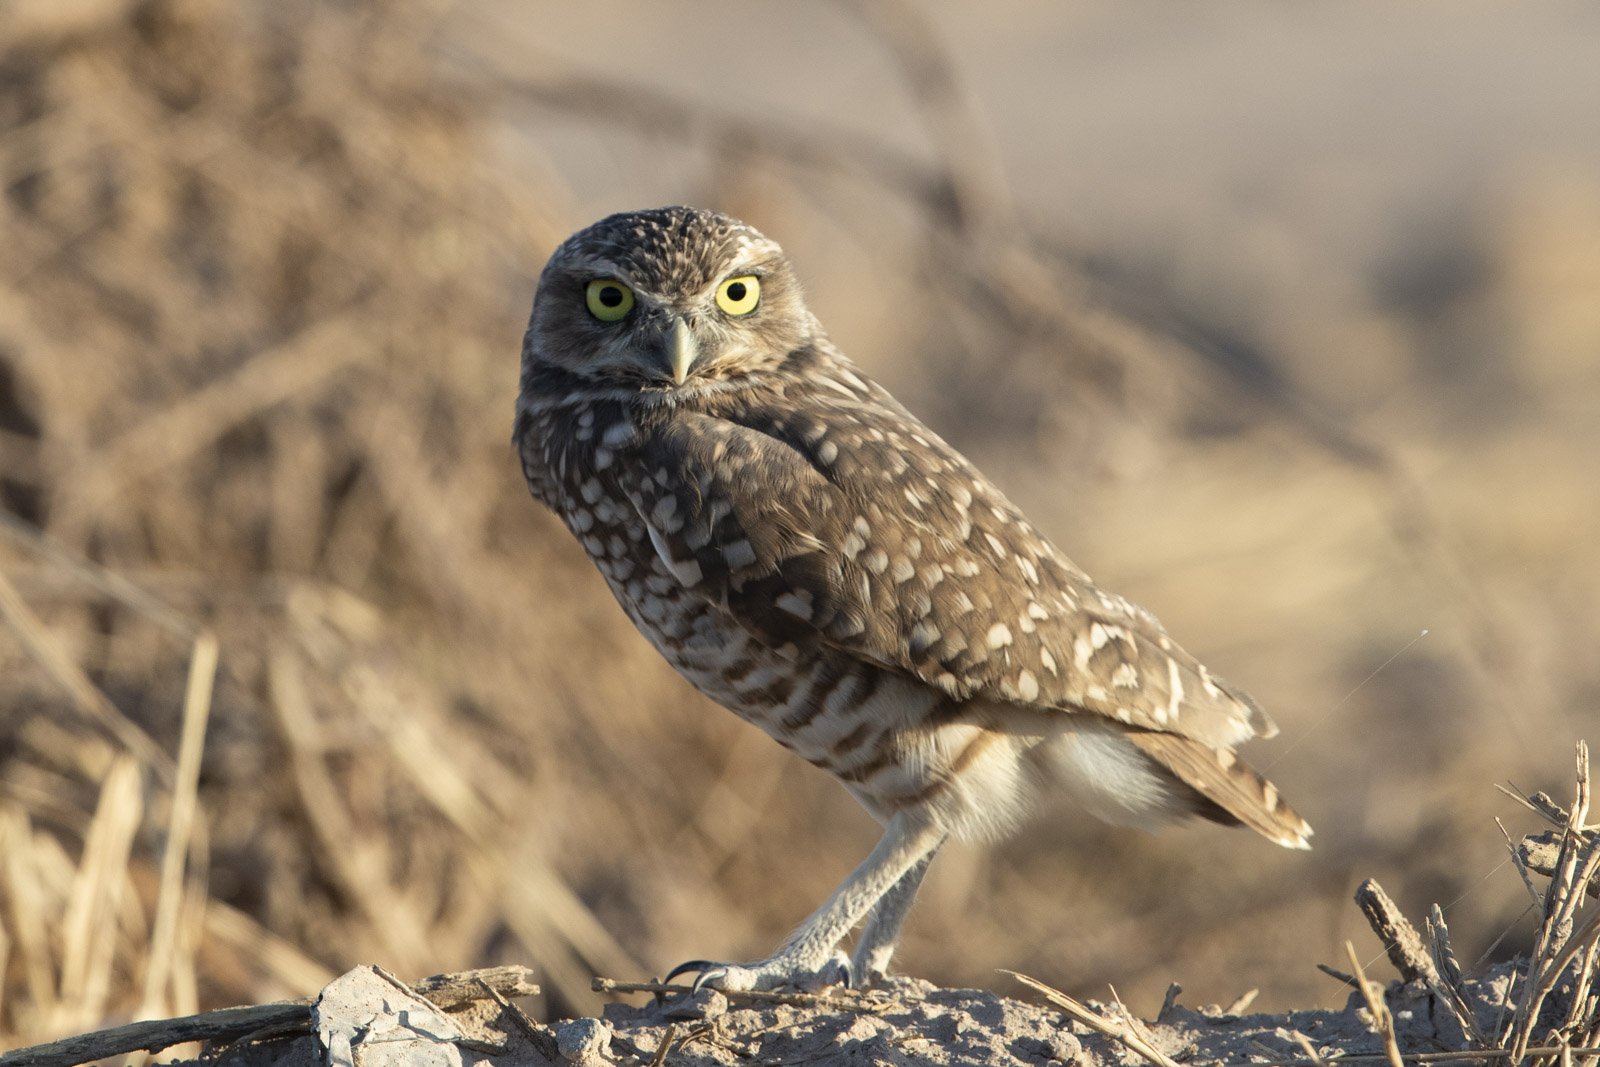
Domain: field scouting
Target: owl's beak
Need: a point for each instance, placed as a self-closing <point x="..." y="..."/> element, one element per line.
<point x="682" y="350"/>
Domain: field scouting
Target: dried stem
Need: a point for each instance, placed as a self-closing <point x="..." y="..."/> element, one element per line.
<point x="1372" y="993"/>
<point x="293" y="1017"/>
<point x="1562" y="938"/>
<point x="1119" y="1030"/>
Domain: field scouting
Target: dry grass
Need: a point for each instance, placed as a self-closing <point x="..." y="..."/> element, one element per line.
<point x="1566" y="949"/>
<point x="293" y="675"/>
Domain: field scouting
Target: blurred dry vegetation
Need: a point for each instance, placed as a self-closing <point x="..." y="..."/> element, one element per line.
<point x="263" y="272"/>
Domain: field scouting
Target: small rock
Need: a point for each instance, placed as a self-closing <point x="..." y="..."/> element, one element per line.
<point x="393" y="1027"/>
<point x="584" y="1041"/>
<point x="1065" y="1047"/>
<point x="706" y="1004"/>
<point x="1052" y="1048"/>
<point x="862" y="1028"/>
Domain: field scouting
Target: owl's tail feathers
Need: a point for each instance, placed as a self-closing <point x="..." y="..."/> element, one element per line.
<point x="1222" y="780"/>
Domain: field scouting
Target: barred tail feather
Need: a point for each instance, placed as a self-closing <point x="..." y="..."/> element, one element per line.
<point x="1222" y="779"/>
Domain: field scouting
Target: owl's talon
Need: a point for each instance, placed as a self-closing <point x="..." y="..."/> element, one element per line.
<point x="837" y="971"/>
<point x="778" y="972"/>
<point x="703" y="966"/>
<point x="714" y="974"/>
<point x="711" y="974"/>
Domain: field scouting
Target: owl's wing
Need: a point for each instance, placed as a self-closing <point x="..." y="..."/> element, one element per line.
<point x="855" y="526"/>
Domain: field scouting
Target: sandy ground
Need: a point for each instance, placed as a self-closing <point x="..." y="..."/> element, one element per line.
<point x="908" y="1022"/>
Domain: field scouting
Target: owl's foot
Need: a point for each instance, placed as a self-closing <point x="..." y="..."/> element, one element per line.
<point x="871" y="968"/>
<point x="883" y="885"/>
<point x="783" y="971"/>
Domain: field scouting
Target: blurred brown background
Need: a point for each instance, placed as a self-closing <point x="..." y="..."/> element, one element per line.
<point x="1281" y="320"/>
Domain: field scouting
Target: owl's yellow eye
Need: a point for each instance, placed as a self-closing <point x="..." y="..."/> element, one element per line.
<point x="609" y="300"/>
<point x="739" y="296"/>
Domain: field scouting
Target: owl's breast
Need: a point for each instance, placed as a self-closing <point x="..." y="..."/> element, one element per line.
<point x="562" y="446"/>
<point x="584" y="464"/>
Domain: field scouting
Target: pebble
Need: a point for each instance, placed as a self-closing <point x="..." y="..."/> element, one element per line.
<point x="706" y="1004"/>
<point x="584" y="1041"/>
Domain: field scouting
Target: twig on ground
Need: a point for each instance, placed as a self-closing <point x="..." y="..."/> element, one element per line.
<point x="696" y="1033"/>
<point x="1169" y="1001"/>
<point x="1117" y="1029"/>
<point x="537" y="1034"/>
<point x="1448" y="985"/>
<point x="1400" y="939"/>
<point x="1310" y="1050"/>
<point x="1538" y="853"/>
<point x="1521" y="861"/>
<point x="1561" y="937"/>
<point x="1242" y="1002"/>
<point x="856" y="1001"/>
<point x="1338" y="975"/>
<point x="665" y="1046"/>
<point x="290" y="1016"/>
<point x="1382" y="1020"/>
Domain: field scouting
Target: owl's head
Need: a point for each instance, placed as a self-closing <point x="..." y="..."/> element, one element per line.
<point x="666" y="300"/>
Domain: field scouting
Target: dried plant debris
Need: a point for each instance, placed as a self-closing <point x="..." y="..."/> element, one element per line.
<point x="365" y="1005"/>
<point x="1434" y="1014"/>
<point x="1542" y="1011"/>
<point x="1558" y="1001"/>
<point x="1544" y="1008"/>
<point x="907" y="1022"/>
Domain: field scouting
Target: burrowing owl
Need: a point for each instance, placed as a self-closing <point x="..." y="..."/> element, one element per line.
<point x="813" y="558"/>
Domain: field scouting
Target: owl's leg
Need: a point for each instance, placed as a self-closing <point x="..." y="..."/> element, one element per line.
<point x="870" y="961"/>
<point x="808" y="957"/>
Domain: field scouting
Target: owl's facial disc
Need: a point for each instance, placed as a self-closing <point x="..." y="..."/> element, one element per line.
<point x="668" y="301"/>
<point x="669" y="338"/>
